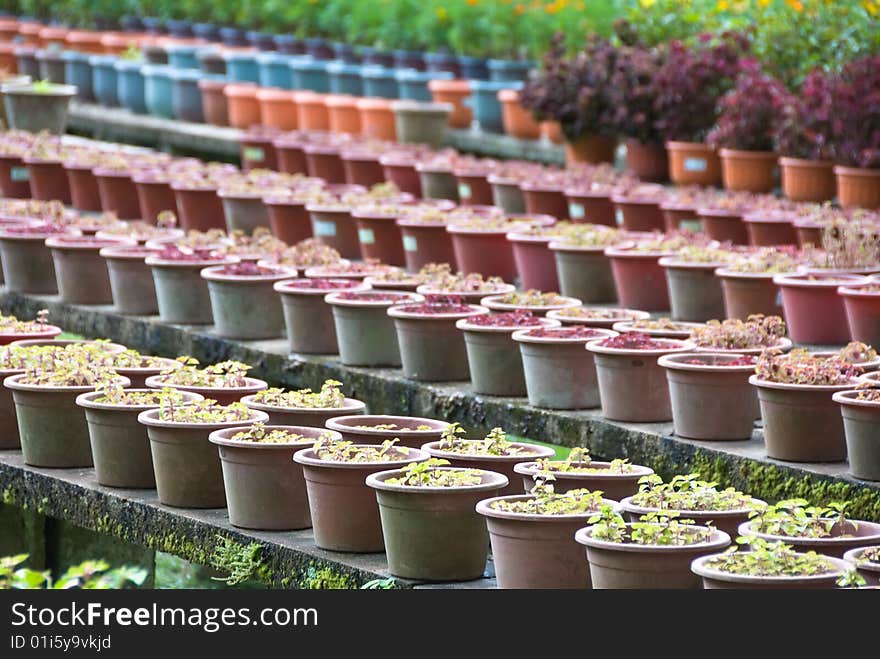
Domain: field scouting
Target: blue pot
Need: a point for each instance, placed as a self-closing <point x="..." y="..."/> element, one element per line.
<point x="376" y="57"/>
<point x="275" y="70"/>
<point x="206" y="31"/>
<point x="289" y="44"/>
<point x="319" y="48"/>
<point x="345" y="78"/>
<point x="261" y="40"/>
<point x="443" y="62"/>
<point x="413" y="84"/>
<point x="473" y="68"/>
<point x="154" y="25"/>
<point x="183" y="56"/>
<point x="233" y="36"/>
<point x="130" y="85"/>
<point x="485" y="104"/>
<point x="78" y="71"/>
<point x="104" y="79"/>
<point x="158" y="90"/>
<point x="380" y="82"/>
<point x="242" y="67"/>
<point x="309" y="73"/>
<point x="131" y="23"/>
<point x="346" y="53"/>
<point x="186" y="98"/>
<point x="183" y="29"/>
<point x="26" y="60"/>
<point x="508" y="70"/>
<point x="409" y="59"/>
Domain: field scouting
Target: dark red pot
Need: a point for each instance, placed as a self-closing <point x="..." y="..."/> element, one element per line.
<point x="258" y="153"/>
<point x="199" y="208"/>
<point x="402" y="172"/>
<point x="14" y="178"/>
<point x="326" y="163"/>
<point x="640" y="280"/>
<point x="118" y="193"/>
<point x="289" y="220"/>
<point x="154" y="197"/>
<point x="379" y="237"/>
<point x="485" y="252"/>
<point x="336" y="227"/>
<point x="639" y="214"/>
<point x="48" y="180"/>
<point x="545" y="200"/>
<point x="84" y="192"/>
<point x="426" y="243"/>
<point x="724" y="225"/>
<point x="769" y="228"/>
<point x="362" y="169"/>
<point x="291" y="157"/>
<point x="473" y="187"/>
<point x="680" y="218"/>
<point x="535" y="262"/>
<point x="590" y="207"/>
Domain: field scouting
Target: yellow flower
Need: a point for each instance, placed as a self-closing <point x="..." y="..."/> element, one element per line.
<point x="723" y="5"/>
<point x="473" y="3"/>
<point x="647" y="3"/>
<point x="442" y="14"/>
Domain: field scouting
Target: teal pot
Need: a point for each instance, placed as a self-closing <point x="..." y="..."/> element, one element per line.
<point x="261" y="40"/>
<point x="120" y="445"/>
<point x="310" y="74"/>
<point x="377" y="57"/>
<point x="274" y="70"/>
<point x="345" y="516"/>
<point x="861" y="425"/>
<point x="309" y="320"/>
<point x="186" y="463"/>
<point x="560" y="374"/>
<point x="345" y="78"/>
<point x="81" y="271"/>
<point x="51" y="65"/>
<point x="531" y="550"/>
<point x="131" y="280"/>
<point x="626" y="565"/>
<point x="364" y="331"/>
<point x="37" y="111"/>
<point x="78" y="72"/>
<point x="246" y="307"/>
<point x="507" y="195"/>
<point x="28" y="266"/>
<point x="632" y="386"/>
<point x="380" y="82"/>
<point x="186" y="96"/>
<point x="52" y="428"/>
<point x="376" y="429"/>
<point x="242" y="67"/>
<point x="105" y="82"/>
<point x="440" y="62"/>
<point x="131" y="85"/>
<point x="181" y="292"/>
<point x="409" y="59"/>
<point x="432" y="348"/>
<point x="473" y="68"/>
<point x="695" y="293"/>
<point x="505" y="70"/>
<point x="183" y="56"/>
<point x="434" y="534"/>
<point x="485" y="104"/>
<point x="421" y="123"/>
<point x="233" y="36"/>
<point x="211" y="61"/>
<point x="494" y="359"/>
<point x="158" y="91"/>
<point x="712" y="400"/>
<point x="265" y="488"/>
<point x="312" y="417"/>
<point x="244" y="211"/>
<point x="802" y="423"/>
<point x="499" y="464"/>
<point x="26" y="57"/>
<point x="413" y="85"/>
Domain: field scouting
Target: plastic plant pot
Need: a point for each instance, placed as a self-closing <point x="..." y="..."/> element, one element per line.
<point x="345" y="78"/>
<point x="78" y="72"/>
<point x="186" y="95"/>
<point x="425" y="243"/>
<point x="154" y="195"/>
<point x="400" y="169"/>
<point x="310" y="74"/>
<point x="379" y="236"/>
<point x="241" y="66"/>
<point x="380" y="82"/>
<point x="274" y="70"/>
<point x="473" y="68"/>
<point x="862" y="304"/>
<point x="312" y="417"/>
<point x="441" y="61"/>
<point x="377" y="119"/>
<point x="81" y="272"/>
<point x="214" y="103"/>
<point x="221" y="394"/>
<point x="502" y="70"/>
<point x="535" y="263"/>
<point x="34" y="111"/>
<point x="456" y="92"/>
<point x="118" y="193"/>
<point x="242" y="105"/>
<point x="288" y="220"/>
<point x="695" y="293"/>
<point x="83" y="186"/>
<point x="485" y="104"/>
<point x="362" y="168"/>
<point x="158" y="91"/>
<point x="421" y="123"/>
<point x="131" y="281"/>
<point x="244" y="211"/>
<point x="506" y="194"/>
<point x="324" y="162"/>
<point x="47" y="179"/>
<point x="485" y="251"/>
<point x="861" y="425"/>
<point x="770" y="228"/>
<point x="613" y="483"/>
<point x="181" y="292"/>
<point x="198" y="208"/>
<point x="28" y="266"/>
<point x="258" y="150"/>
<point x="183" y="56"/>
<point x="51" y="66"/>
<point x="639" y="279"/>
<point x="413" y="85"/>
<point x="583" y="272"/>
<point x="131" y="85"/>
<point x="311" y="111"/>
<point x="724" y="225"/>
<point x="813" y="309"/>
<point x="693" y="163"/>
<point x="104" y="79"/>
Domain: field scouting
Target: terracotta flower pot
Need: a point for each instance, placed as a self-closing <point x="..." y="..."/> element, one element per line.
<point x="843" y="537"/>
<point x="535" y="263"/>
<point x="858" y="187"/>
<point x="453" y="92"/>
<point x="861" y="426"/>
<point x="288" y="219"/>
<point x="311" y="111"/>
<point x="801" y="422"/>
<point x="711" y="401"/>
<point x="246" y="307"/>
<point x="362" y="168"/>
<point x="593" y="149"/>
<point x="334" y="226"/>
<point x="80" y="270"/>
<point x="131" y="280"/>
<point x="118" y="193"/>
<point x="198" y="208"/>
<point x="693" y="163"/>
<point x="590" y="207"/>
<point x="14" y="178"/>
<point x="518" y="122"/>
<point x="379" y="236"/>
<point x="747" y="293"/>
<point x="425" y="243"/>
<point x="258" y="151"/>
<point x="187" y="465"/>
<point x="807" y="180"/>
<point x="120" y="445"/>
<point x="242" y="105"/>
<point x="615" y="485"/>
<point x="632" y="386"/>
<point x="639" y="278"/>
<point x="434" y="534"/>
<point x="716" y="579"/>
<point x="84" y="192"/>
<point x="628" y="565"/>
<point x="432" y="349"/>
<point x="862" y="313"/>
<point x="345" y="516"/>
<point x="485" y="251"/>
<point x="813" y="309"/>
<point x="694" y="291"/>
<point x="324" y="161"/>
<point x="265" y="488"/>
<point x="181" y="293"/>
<point x="748" y="171"/>
<point x="638" y="214"/>
<point x="154" y="195"/>
<point x="473" y="186"/>
<point x="543" y="199"/>
<point x="377" y="119"/>
<point x="400" y="169"/>
<point x="648" y="162"/>
<point x="214" y="103"/>
<point x="343" y="114"/>
<point x="277" y="109"/>
<point x="309" y="320"/>
<point x="768" y="228"/>
<point x="724" y="225"/>
<point x="48" y="180"/>
<point x="680" y="217"/>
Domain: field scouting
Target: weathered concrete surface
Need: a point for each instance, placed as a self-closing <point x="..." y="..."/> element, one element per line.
<point x="741" y="464"/>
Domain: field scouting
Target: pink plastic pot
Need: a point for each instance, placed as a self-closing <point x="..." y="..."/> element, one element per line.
<point x="862" y="312"/>
<point x="400" y="169"/>
<point x="484" y="251"/>
<point x="724" y="225"/>
<point x="747" y="293"/>
<point x="637" y="214"/>
<point x="590" y="207"/>
<point x="542" y="199"/>
<point x="813" y="309"/>
<point x="770" y="228"/>
<point x="534" y="261"/>
<point x="379" y="237"/>
<point x="426" y="243"/>
<point x="639" y="278"/>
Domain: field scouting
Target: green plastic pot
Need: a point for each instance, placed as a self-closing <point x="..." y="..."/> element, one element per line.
<point x="28" y="266"/>
<point x="35" y="111"/>
<point x="244" y="212"/>
<point x="861" y="425"/>
<point x="246" y="307"/>
<point x="309" y="321"/>
<point x="181" y="293"/>
<point x="584" y="273"/>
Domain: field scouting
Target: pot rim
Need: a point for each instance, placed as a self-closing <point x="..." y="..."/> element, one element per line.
<point x="253" y="384"/>
<point x="350" y="404"/>
<point x="754" y="380"/>
<point x="826" y="281"/>
<point x="155" y="262"/>
<point x="212" y="273"/>
<point x="126" y="254"/>
<point x="12" y="382"/>
<point x="744" y="529"/>
<point x="427" y="289"/>
<point x="726" y="272"/>
<point x="306" y="458"/>
<point x="515" y="237"/>
<point x="584" y="537"/>
<point x="619" y="199"/>
<point x="670" y="362"/>
<point x="333" y="299"/>
<point x="628" y="505"/>
<point x="87" y="243"/>
<point x="559" y="314"/>
<point x="493" y="481"/>
<point x="684" y="346"/>
<point x="147" y="418"/>
<point x="853" y="555"/>
<point x="623" y="251"/>
<point x="475" y="310"/>
<point x="624" y="326"/>
<point x="538" y="451"/>
<point x="218" y="437"/>
<point x="673" y="262"/>
<point x="531" y="468"/>
<point x="465" y="325"/>
<point x="493" y="304"/>
<point x="522" y="336"/>
<point x="846" y="398"/>
<point x="49" y="332"/>
<point x="856" y="291"/>
<point x="282" y="286"/>
<point x="338" y="423"/>
<point x="137" y="370"/>
<point x="699" y="568"/>
<point x="86" y="400"/>
<point x="783" y="343"/>
<point x="485" y="509"/>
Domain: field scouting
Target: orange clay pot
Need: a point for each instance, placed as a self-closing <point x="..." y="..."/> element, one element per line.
<point x="454" y="92"/>
<point x="214" y="103"/>
<point x="8" y="60"/>
<point x="53" y="34"/>
<point x="311" y="111"/>
<point x="518" y="121"/>
<point x="343" y="114"/>
<point x="591" y="149"/>
<point x="30" y="33"/>
<point x="693" y="163"/>
<point x="858" y="187"/>
<point x="244" y="110"/>
<point x="807" y="180"/>
<point x="277" y="109"/>
<point x="748" y="171"/>
<point x="85" y="41"/>
<point x="552" y="131"/>
<point x="8" y="29"/>
<point x="377" y="118"/>
<point x="116" y="43"/>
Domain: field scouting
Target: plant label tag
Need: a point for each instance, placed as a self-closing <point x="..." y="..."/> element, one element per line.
<point x="618" y="216"/>
<point x="695" y="165"/>
<point x="464" y="191"/>
<point x="324" y="228"/>
<point x="366" y="236"/>
<point x="576" y="211"/>
<point x="410" y="244"/>
<point x="254" y="154"/>
<point x="694" y="226"/>
<point x="779" y="298"/>
<point x="20" y="174"/>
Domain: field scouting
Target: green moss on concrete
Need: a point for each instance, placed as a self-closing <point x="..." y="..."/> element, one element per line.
<point x="327" y="578"/>
<point x="239" y="561"/>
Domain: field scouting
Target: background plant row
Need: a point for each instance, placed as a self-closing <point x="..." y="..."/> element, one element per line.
<point x="788" y="35"/>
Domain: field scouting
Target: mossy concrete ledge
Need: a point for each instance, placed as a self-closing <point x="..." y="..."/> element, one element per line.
<point x="741" y="464"/>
